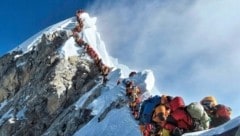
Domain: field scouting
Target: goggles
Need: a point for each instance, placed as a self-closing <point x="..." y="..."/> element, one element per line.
<point x="161" y="116"/>
<point x="207" y="105"/>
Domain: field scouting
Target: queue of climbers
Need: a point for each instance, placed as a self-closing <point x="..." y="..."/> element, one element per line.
<point x="169" y="116"/>
<point x="161" y="115"/>
<point x="103" y="69"/>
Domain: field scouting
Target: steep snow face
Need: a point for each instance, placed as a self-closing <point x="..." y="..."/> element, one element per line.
<point x="89" y="34"/>
<point x="70" y="48"/>
<point x="117" y="121"/>
<point x="29" y="44"/>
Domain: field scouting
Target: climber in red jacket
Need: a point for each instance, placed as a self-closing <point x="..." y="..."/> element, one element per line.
<point x="91" y="52"/>
<point x="179" y="121"/>
<point x="218" y="113"/>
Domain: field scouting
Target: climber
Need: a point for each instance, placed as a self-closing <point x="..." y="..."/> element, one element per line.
<point x="133" y="92"/>
<point x="165" y="100"/>
<point x="80" y="24"/>
<point x="80" y="42"/>
<point x="178" y="121"/>
<point x="131" y="74"/>
<point x="160" y="115"/>
<point x="162" y="110"/>
<point x="100" y="65"/>
<point x="208" y="103"/>
<point x="77" y="28"/>
<point x="222" y="114"/>
<point x="96" y="59"/>
<point x="105" y="70"/>
<point x="129" y="87"/>
<point x="78" y="14"/>
<point x="200" y="118"/>
<point x="154" y="111"/>
<point x="135" y="100"/>
<point x="75" y="35"/>
<point x="90" y="51"/>
<point x="147" y="108"/>
<point x="75" y="32"/>
<point x="147" y="130"/>
<point x="218" y="113"/>
<point x="146" y="112"/>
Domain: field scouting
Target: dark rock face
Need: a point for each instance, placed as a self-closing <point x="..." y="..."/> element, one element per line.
<point x="38" y="90"/>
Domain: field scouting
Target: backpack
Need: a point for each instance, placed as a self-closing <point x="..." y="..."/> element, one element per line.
<point x="176" y="103"/>
<point x="199" y="116"/>
<point x="147" y="108"/>
<point x="178" y="116"/>
<point x="220" y="115"/>
<point x="223" y="111"/>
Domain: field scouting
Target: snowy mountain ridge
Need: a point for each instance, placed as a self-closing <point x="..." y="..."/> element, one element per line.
<point x="44" y="71"/>
<point x="71" y="93"/>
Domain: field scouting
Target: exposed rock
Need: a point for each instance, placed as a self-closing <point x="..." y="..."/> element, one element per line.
<point x="43" y="86"/>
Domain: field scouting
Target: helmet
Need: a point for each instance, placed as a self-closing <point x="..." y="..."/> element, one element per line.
<point x="209" y="99"/>
<point x="209" y="102"/>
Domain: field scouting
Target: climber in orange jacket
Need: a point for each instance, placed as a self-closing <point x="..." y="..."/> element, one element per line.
<point x="160" y="115"/>
<point x="218" y="113"/>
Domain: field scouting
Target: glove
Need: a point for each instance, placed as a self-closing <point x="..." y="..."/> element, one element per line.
<point x="177" y="132"/>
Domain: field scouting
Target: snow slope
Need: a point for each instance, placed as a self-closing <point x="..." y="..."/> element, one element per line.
<point x="34" y="40"/>
<point x="118" y="122"/>
<point x="115" y="119"/>
<point x="218" y="130"/>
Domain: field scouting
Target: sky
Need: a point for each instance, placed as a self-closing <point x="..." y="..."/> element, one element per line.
<point x="191" y="46"/>
<point x="22" y="19"/>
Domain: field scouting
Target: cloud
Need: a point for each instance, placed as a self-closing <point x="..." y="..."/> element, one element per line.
<point x="192" y="46"/>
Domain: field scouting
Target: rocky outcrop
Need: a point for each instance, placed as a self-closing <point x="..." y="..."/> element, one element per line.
<point x="38" y="90"/>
